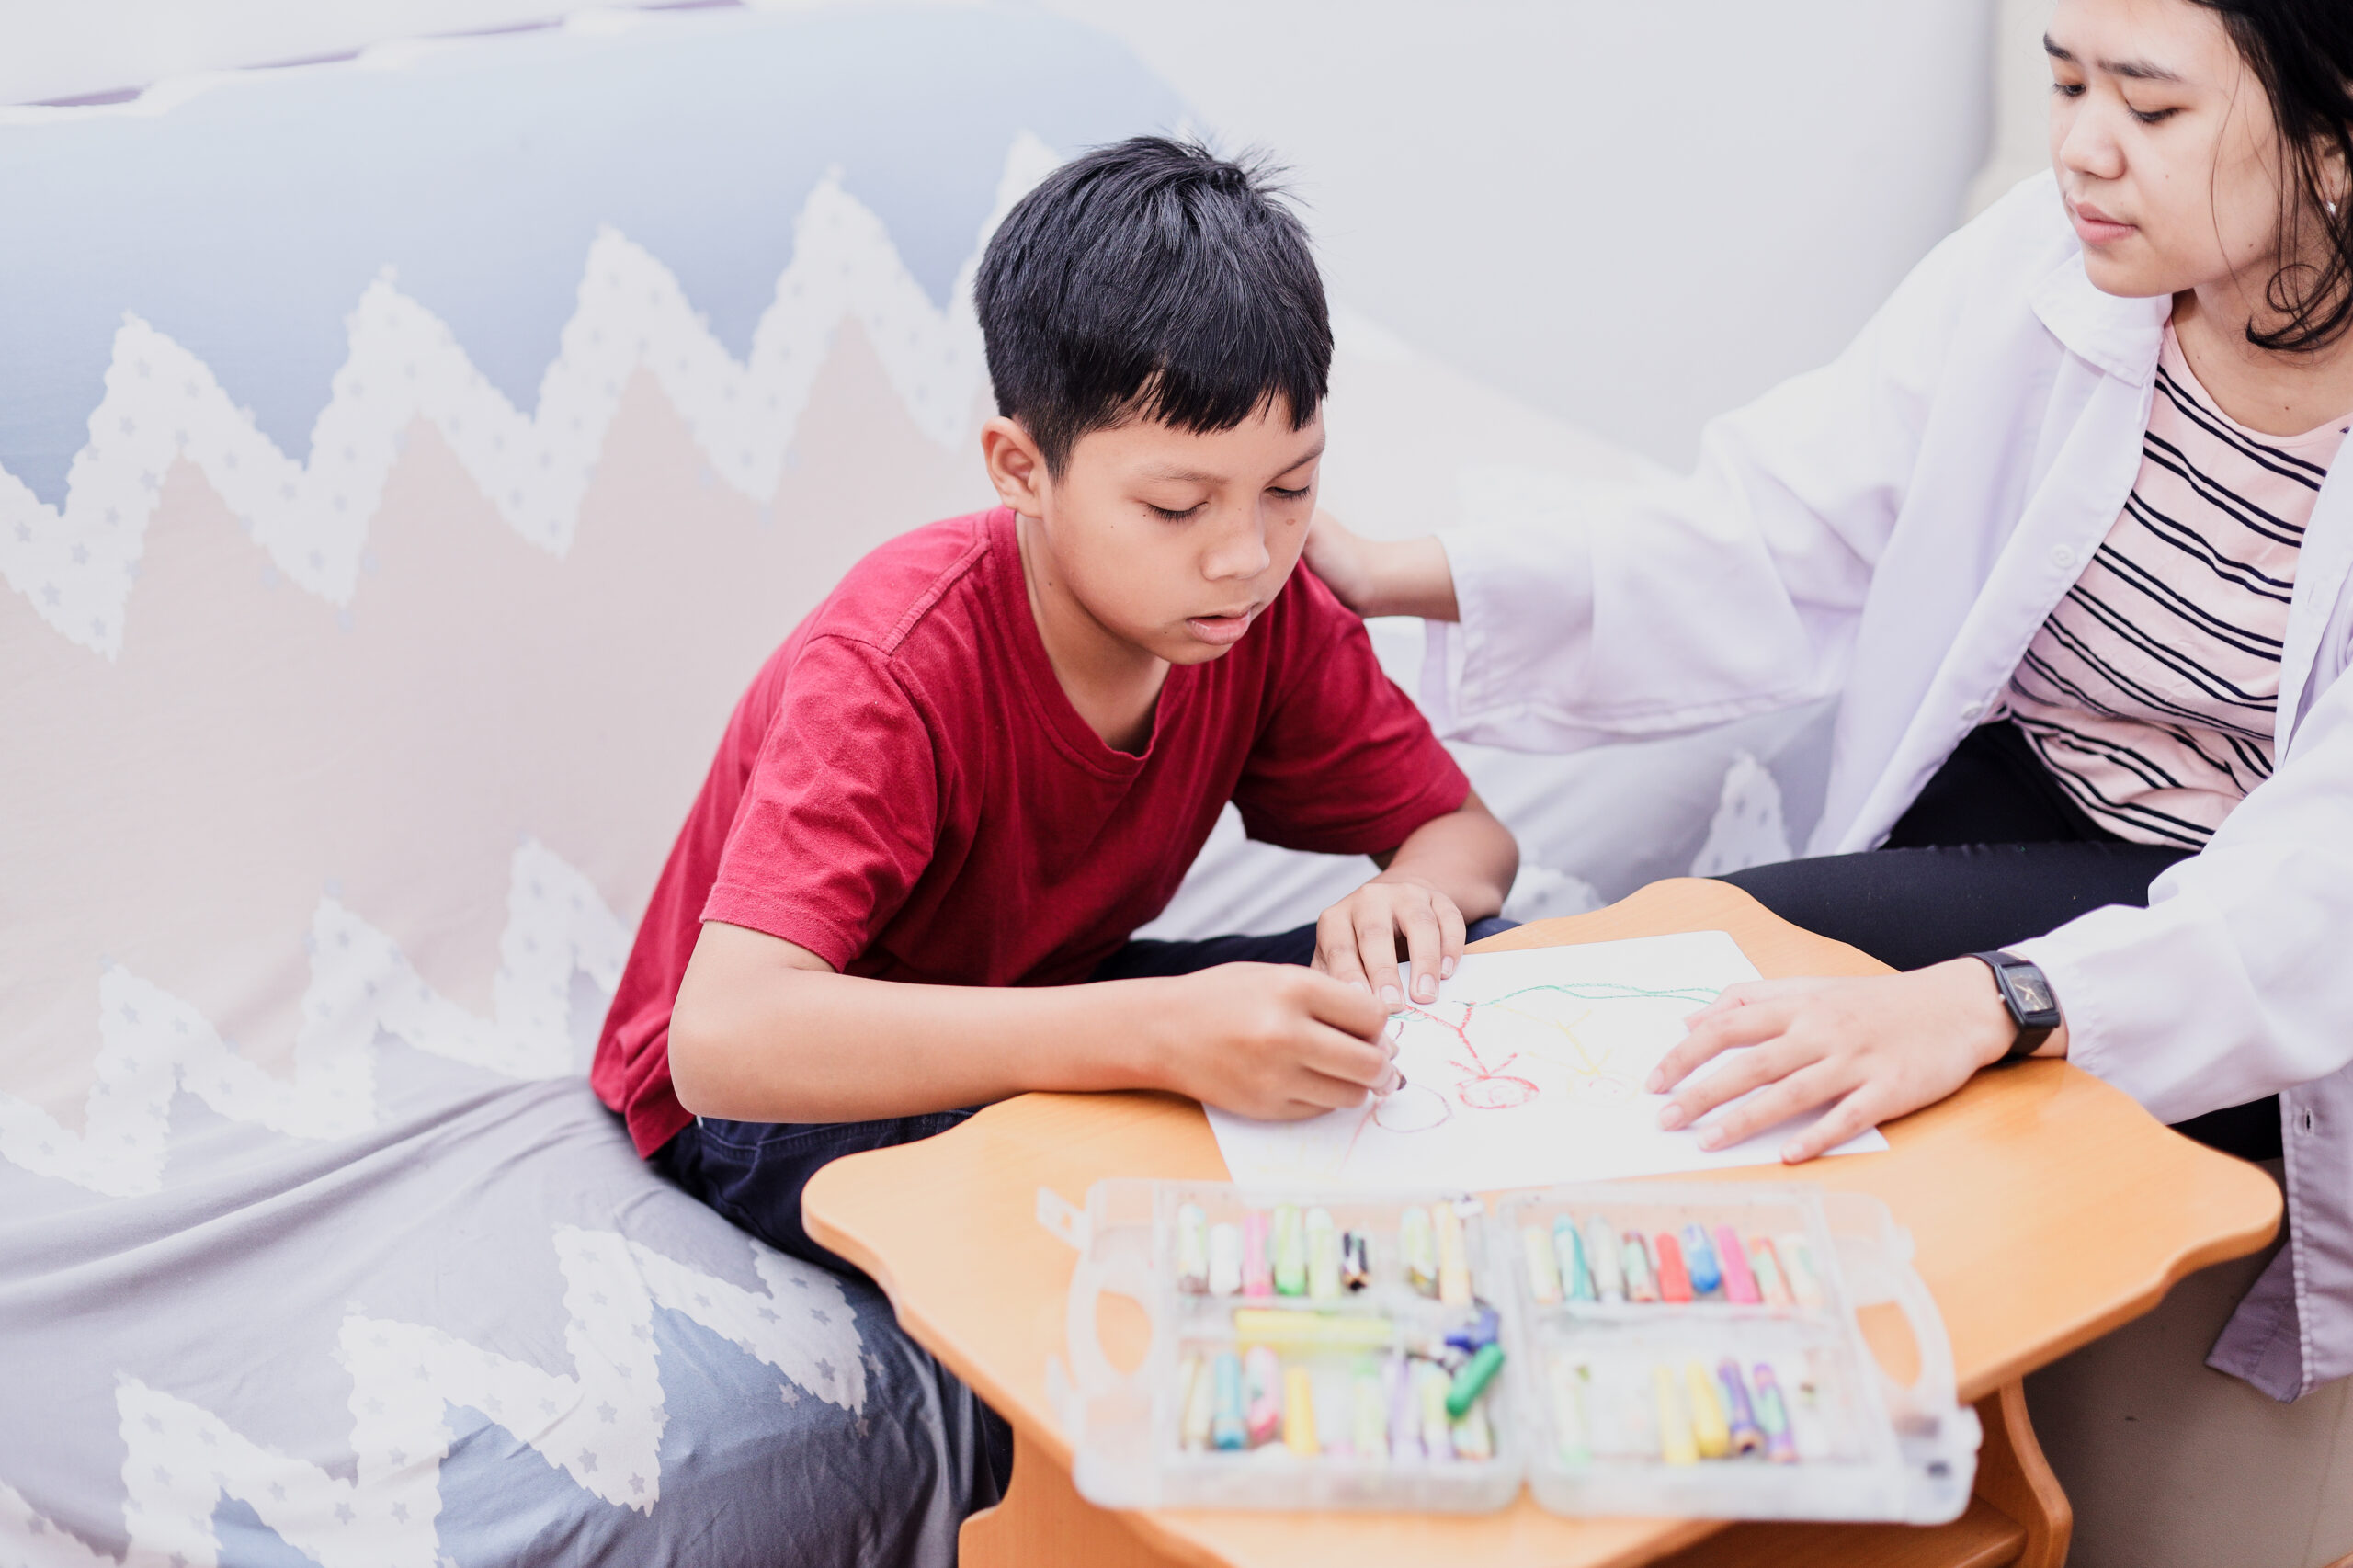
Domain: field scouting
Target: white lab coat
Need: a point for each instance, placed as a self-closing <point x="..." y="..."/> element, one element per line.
<point x="1892" y="529"/>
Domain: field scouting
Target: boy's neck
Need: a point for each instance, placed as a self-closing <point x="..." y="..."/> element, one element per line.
<point x="1113" y="684"/>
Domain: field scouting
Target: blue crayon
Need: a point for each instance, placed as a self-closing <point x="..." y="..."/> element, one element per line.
<point x="1226" y="1431"/>
<point x="1700" y="1260"/>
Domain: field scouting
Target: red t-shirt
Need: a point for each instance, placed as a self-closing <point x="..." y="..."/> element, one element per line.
<point x="906" y="792"/>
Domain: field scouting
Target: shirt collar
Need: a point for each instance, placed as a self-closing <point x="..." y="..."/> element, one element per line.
<point x="2118" y="335"/>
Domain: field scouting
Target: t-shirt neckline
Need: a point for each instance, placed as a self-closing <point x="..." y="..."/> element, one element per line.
<point x="1055" y="711"/>
<point x="2328" y="433"/>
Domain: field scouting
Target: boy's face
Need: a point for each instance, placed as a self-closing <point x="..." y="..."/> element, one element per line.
<point x="1174" y="543"/>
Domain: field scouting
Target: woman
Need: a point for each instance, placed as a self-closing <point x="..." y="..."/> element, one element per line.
<point x="2062" y="529"/>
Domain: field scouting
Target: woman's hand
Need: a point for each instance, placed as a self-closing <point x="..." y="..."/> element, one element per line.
<point x="1405" y="576"/>
<point x="1871" y="1049"/>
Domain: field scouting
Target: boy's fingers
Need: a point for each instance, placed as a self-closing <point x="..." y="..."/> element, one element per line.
<point x="1745" y="993"/>
<point x="1363" y="1064"/>
<point x="1710" y="1038"/>
<point x="1327" y="1093"/>
<point x="1335" y="950"/>
<point x="1424" y="947"/>
<point x="1849" y="1118"/>
<point x="1801" y="1091"/>
<point x="1350" y="1009"/>
<point x="1451" y="936"/>
<point x="1376" y="933"/>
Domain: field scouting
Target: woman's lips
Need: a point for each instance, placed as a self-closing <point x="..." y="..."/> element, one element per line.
<point x="2095" y="227"/>
<point x="1223" y="631"/>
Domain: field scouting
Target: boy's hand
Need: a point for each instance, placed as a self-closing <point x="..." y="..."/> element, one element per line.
<point x="1275" y="1041"/>
<point x="1879" y="1047"/>
<point x="1356" y="939"/>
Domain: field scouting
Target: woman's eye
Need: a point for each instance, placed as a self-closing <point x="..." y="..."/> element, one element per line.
<point x="1280" y="493"/>
<point x="2155" y="116"/>
<point x="2068" y="89"/>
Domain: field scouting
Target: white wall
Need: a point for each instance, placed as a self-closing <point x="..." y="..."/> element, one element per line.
<point x="1632" y="216"/>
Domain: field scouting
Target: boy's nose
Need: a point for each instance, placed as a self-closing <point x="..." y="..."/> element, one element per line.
<point x="1240" y="553"/>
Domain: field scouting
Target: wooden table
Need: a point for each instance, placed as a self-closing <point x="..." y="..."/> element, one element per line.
<point x="2046" y="1207"/>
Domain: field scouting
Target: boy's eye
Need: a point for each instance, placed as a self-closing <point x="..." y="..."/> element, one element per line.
<point x="1165" y="516"/>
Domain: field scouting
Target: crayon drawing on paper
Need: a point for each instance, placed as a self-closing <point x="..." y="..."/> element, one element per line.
<point x="1526" y="1070"/>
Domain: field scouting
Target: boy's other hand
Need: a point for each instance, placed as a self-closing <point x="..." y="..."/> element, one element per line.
<point x="1276" y="1042"/>
<point x="1357" y="939"/>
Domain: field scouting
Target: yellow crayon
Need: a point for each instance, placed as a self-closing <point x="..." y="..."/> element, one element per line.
<point x="1675" y="1443"/>
<point x="1453" y="1264"/>
<point x="1710" y="1432"/>
<point x="1299" y="1411"/>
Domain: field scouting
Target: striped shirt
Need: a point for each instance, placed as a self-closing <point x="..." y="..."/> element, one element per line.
<point x="2151" y="691"/>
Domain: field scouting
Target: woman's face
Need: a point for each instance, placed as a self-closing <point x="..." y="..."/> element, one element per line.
<point x="2164" y="146"/>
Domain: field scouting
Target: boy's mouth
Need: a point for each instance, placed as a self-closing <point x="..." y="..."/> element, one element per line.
<point x="1222" y="630"/>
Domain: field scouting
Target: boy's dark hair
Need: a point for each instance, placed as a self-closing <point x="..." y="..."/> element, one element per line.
<point x="1151" y="278"/>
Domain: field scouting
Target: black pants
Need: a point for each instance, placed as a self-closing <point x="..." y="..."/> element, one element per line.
<point x="1993" y="852"/>
<point x="752" y="1172"/>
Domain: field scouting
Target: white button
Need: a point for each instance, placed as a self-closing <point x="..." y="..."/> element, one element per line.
<point x="1969" y="711"/>
<point x="2062" y="556"/>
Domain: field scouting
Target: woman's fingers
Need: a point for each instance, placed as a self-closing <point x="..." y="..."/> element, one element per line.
<point x="1753" y="1069"/>
<point x="1793" y="1094"/>
<point x="1850" y="1118"/>
<point x="1745" y="1024"/>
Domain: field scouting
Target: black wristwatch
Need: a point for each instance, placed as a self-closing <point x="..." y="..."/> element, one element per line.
<point x="2033" y="1005"/>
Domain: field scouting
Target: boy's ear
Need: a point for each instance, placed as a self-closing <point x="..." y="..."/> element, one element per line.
<point x="1016" y="466"/>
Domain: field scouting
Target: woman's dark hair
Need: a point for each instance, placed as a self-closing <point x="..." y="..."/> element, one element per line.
<point x="1151" y="279"/>
<point x="2301" y="50"/>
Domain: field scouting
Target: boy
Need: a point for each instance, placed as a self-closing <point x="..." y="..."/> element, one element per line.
<point x="992" y="752"/>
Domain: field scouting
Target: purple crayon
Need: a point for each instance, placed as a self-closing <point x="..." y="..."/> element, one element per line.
<point x="1404" y="1412"/>
<point x="1746" y="1435"/>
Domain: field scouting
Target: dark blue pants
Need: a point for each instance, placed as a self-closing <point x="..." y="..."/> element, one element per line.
<point x="752" y="1172"/>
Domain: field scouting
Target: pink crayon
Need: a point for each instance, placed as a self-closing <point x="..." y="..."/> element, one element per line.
<point x="1258" y="1269"/>
<point x="1740" y="1285"/>
<point x="1265" y="1416"/>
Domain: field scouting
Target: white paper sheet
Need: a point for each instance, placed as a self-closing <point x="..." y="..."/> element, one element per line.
<point x="1526" y="1070"/>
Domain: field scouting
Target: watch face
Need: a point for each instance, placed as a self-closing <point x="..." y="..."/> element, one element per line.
<point x="2032" y="992"/>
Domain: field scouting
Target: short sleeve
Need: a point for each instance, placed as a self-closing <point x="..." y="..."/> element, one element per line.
<point x="838" y="816"/>
<point x="1343" y="763"/>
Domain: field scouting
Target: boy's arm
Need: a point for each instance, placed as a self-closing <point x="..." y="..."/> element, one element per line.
<point x="765" y="1031"/>
<point x="1450" y="871"/>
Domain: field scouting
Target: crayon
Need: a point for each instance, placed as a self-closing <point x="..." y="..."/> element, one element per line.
<point x="1741" y="1417"/>
<point x="1404" y="1411"/>
<point x="1192" y="1250"/>
<point x="1291" y="1253"/>
<point x="1675" y="1445"/>
<point x="1225" y="1260"/>
<point x="1454" y="1265"/>
<point x="1577" y="1280"/>
<point x="1322" y="1256"/>
<point x="1767" y="1270"/>
<point x="1263" y="1417"/>
<point x="1472" y="1380"/>
<point x="1273" y="1326"/>
<point x="1700" y="1259"/>
<point x="1369" y="1411"/>
<point x="1797" y="1262"/>
<point x="1257" y="1267"/>
<point x="1674" y="1283"/>
<point x="1740" y="1285"/>
<point x="1299" y="1413"/>
<point x="1543" y="1269"/>
<point x="1567" y="1384"/>
<point x="1773" y="1417"/>
<point x="1640" y="1287"/>
<point x="1709" y="1433"/>
<point x="1419" y="1244"/>
<point x="1601" y="1249"/>
<point x="1226" y="1428"/>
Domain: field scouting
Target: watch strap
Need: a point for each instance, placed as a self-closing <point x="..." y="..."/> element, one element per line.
<point x="2023" y="985"/>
